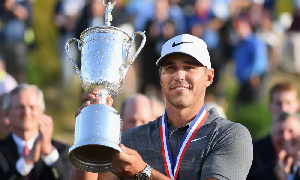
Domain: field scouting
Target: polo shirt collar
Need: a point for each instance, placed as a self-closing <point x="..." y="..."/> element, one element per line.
<point x="212" y="115"/>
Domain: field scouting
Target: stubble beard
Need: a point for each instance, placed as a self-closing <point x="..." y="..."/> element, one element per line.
<point x="179" y="101"/>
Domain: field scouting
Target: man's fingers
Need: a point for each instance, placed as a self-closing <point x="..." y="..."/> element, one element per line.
<point x="127" y="154"/>
<point x="89" y="95"/>
<point x="127" y="150"/>
<point x="110" y="101"/>
<point x="127" y="163"/>
<point x="85" y="104"/>
<point x="91" y="98"/>
<point x="281" y="156"/>
<point x="46" y="121"/>
<point x="288" y="164"/>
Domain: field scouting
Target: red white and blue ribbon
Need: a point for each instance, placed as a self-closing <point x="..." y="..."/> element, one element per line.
<point x="172" y="168"/>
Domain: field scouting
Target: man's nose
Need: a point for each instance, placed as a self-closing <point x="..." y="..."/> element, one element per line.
<point x="286" y="135"/>
<point x="180" y="75"/>
<point x="284" y="107"/>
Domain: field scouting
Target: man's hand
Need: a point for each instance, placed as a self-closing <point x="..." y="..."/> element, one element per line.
<point x="128" y="163"/>
<point x="89" y="98"/>
<point x="34" y="154"/>
<point x="283" y="166"/>
<point x="46" y="130"/>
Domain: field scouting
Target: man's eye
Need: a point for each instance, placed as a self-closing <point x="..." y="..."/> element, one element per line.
<point x="171" y="67"/>
<point x="189" y="67"/>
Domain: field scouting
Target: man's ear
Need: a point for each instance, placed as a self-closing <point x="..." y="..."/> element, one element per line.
<point x="159" y="72"/>
<point x="210" y="76"/>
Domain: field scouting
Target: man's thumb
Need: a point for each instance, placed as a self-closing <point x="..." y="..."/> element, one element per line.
<point x="123" y="148"/>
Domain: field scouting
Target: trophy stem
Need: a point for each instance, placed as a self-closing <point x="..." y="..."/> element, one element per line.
<point x="103" y="94"/>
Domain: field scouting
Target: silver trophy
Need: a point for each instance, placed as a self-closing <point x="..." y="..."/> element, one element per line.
<point x="104" y="51"/>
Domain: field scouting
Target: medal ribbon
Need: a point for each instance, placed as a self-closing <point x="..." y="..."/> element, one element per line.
<point x="172" y="168"/>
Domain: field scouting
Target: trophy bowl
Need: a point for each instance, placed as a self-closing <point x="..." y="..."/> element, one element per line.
<point x="104" y="52"/>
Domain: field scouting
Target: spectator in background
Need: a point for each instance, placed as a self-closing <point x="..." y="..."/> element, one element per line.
<point x="158" y="106"/>
<point x="205" y="24"/>
<point x="119" y="14"/>
<point x="294" y="33"/>
<point x="137" y="110"/>
<point x="92" y="15"/>
<point x="158" y="30"/>
<point x="272" y="38"/>
<point x="251" y="61"/>
<point x="269" y="5"/>
<point x="15" y="17"/>
<point x="178" y="16"/>
<point x="29" y="151"/>
<point x="66" y="14"/>
<point x="144" y="11"/>
<point x="282" y="97"/>
<point x="4" y="121"/>
<point x="141" y="11"/>
<point x="285" y="135"/>
<point x="7" y="82"/>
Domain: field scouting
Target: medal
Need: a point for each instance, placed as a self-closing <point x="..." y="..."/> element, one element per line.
<point x="172" y="168"/>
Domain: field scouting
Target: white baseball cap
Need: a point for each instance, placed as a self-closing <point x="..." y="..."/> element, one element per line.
<point x="186" y="44"/>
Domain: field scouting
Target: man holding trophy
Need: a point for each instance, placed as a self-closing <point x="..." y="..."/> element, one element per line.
<point x="187" y="142"/>
<point x="207" y="145"/>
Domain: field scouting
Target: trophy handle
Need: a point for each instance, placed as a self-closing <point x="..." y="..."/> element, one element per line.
<point x="140" y="48"/>
<point x="70" y="57"/>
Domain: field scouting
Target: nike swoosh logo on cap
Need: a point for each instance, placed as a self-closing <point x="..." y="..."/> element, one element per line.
<point x="176" y="44"/>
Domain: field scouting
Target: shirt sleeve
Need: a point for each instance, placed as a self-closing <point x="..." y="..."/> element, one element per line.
<point x="51" y="158"/>
<point x="23" y="168"/>
<point x="231" y="154"/>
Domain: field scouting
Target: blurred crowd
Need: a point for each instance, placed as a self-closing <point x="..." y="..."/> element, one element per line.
<point x="257" y="36"/>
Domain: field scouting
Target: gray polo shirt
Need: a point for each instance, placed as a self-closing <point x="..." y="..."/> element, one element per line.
<point x="220" y="149"/>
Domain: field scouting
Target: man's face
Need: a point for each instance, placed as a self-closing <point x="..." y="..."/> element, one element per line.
<point x="184" y="81"/>
<point x="285" y="135"/>
<point x="137" y="113"/>
<point x="284" y="101"/>
<point x="25" y="111"/>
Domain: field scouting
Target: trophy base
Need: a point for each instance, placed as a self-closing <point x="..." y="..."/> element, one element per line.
<point x="92" y="157"/>
<point x="97" y="137"/>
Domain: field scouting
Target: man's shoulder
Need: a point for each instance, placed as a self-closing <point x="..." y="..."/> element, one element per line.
<point x="214" y="117"/>
<point x="224" y="125"/>
<point x="6" y="141"/>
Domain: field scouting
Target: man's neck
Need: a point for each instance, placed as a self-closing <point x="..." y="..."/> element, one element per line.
<point x="180" y="117"/>
<point x="26" y="135"/>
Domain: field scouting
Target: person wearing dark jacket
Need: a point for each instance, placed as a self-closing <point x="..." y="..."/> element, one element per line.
<point x="29" y="151"/>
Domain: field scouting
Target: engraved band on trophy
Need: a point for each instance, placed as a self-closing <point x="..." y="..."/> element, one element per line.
<point x="104" y="51"/>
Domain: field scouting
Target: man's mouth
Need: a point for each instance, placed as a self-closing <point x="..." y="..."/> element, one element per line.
<point x="286" y="144"/>
<point x="180" y="87"/>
